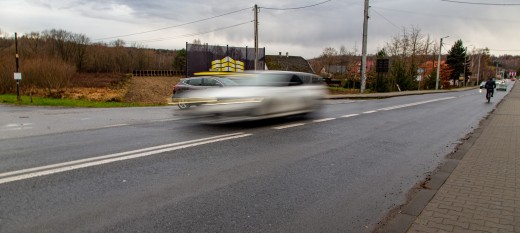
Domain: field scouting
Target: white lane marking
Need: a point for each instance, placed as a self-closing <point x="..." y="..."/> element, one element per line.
<point x="83" y="163"/>
<point x="14" y="129"/>
<point x="368" y="112"/>
<point x="163" y="120"/>
<point x="414" y="104"/>
<point x="349" y="115"/>
<point x="289" y="126"/>
<point x="324" y="119"/>
<point x="16" y="126"/>
<point x="116" y="125"/>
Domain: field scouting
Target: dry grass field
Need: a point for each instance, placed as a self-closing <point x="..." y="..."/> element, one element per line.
<point x="150" y="90"/>
<point x="119" y="88"/>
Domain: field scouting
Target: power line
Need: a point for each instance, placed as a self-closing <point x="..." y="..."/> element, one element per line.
<point x="192" y="34"/>
<point x="424" y="14"/>
<point x="295" y="8"/>
<point x="184" y="24"/>
<point x="483" y="3"/>
<point x="505" y="50"/>
<point x="387" y="20"/>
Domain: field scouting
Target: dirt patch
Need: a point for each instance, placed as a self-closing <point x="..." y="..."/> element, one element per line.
<point x="150" y="90"/>
<point x="115" y="87"/>
<point x="100" y="80"/>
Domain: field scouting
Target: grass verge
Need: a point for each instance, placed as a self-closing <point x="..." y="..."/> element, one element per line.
<point x="43" y="101"/>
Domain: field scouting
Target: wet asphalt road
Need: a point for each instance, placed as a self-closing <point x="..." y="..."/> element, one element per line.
<point x="340" y="171"/>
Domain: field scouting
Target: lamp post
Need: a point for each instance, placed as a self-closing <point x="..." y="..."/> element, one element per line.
<point x="439" y="65"/>
<point x="478" y="69"/>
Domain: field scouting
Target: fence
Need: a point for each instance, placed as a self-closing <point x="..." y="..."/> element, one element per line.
<point x="157" y="73"/>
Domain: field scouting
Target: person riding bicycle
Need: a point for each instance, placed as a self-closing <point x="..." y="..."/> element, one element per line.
<point x="490" y="86"/>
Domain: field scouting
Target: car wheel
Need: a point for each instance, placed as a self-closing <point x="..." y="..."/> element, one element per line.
<point x="183" y="106"/>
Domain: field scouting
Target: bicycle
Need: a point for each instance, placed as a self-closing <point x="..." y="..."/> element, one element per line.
<point x="488" y="95"/>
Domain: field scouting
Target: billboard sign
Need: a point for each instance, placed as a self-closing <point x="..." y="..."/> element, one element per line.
<point x="202" y="58"/>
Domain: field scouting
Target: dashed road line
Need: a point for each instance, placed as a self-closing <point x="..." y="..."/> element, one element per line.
<point x="414" y="104"/>
<point x="289" y="126"/>
<point x="164" y="120"/>
<point x="16" y="126"/>
<point x="349" y="115"/>
<point x="368" y="112"/>
<point x="324" y="119"/>
<point x="116" y="125"/>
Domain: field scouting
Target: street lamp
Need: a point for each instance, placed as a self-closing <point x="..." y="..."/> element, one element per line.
<point x="478" y="69"/>
<point x="439" y="65"/>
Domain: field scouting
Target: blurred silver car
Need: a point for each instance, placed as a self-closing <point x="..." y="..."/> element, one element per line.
<point x="258" y="95"/>
<point x="196" y="83"/>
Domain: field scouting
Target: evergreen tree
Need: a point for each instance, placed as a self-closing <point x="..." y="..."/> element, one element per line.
<point x="179" y="63"/>
<point x="458" y="62"/>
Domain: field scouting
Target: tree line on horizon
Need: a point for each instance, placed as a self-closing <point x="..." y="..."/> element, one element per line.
<point x="408" y="53"/>
<point x="51" y="58"/>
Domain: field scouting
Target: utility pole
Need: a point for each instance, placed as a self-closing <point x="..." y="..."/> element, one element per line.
<point x="17" y="65"/>
<point x="478" y="69"/>
<point x="364" y="48"/>
<point x="465" y="56"/>
<point x="496" y="70"/>
<point x="439" y="65"/>
<point x="256" y="37"/>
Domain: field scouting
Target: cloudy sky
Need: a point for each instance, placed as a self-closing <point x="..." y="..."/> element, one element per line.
<point x="299" y="27"/>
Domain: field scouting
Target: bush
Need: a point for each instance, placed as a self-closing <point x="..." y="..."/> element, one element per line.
<point x="51" y="74"/>
<point x="7" y="69"/>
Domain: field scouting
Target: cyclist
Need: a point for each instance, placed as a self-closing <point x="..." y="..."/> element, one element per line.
<point x="490" y="86"/>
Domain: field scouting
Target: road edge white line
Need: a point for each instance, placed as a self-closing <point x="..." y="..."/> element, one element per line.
<point x="111" y="160"/>
<point x="6" y="174"/>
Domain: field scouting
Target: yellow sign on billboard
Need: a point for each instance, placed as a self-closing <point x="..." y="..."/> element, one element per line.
<point x="227" y="64"/>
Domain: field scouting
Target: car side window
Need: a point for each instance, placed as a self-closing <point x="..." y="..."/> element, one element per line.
<point x="210" y="82"/>
<point x="195" y="82"/>
<point x="295" y="80"/>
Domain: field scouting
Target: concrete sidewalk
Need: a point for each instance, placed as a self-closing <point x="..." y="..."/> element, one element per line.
<point x="478" y="188"/>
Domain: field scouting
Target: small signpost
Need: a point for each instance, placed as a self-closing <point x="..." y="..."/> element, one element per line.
<point x="420" y="72"/>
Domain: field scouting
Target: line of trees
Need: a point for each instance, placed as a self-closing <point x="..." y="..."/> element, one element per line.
<point x="49" y="59"/>
<point x="413" y="64"/>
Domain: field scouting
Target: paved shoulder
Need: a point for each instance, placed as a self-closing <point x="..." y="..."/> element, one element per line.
<point x="482" y="193"/>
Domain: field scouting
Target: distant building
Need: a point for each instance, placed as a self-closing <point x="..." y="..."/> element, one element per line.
<point x="290" y="63"/>
<point x="430" y="66"/>
<point x="336" y="69"/>
<point x="370" y="66"/>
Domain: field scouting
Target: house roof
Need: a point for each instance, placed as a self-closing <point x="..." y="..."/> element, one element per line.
<point x="429" y="66"/>
<point x="291" y="63"/>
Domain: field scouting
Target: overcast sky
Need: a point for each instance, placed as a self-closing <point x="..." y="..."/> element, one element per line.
<point x="304" y="32"/>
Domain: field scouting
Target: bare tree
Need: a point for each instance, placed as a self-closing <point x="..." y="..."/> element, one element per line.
<point x="408" y="51"/>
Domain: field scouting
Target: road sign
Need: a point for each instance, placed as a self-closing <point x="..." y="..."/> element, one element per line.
<point x="17" y="76"/>
<point x="382" y="65"/>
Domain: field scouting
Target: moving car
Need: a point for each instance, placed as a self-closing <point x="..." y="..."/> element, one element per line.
<point x="258" y="95"/>
<point x="483" y="85"/>
<point x="502" y="86"/>
<point x="196" y="83"/>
